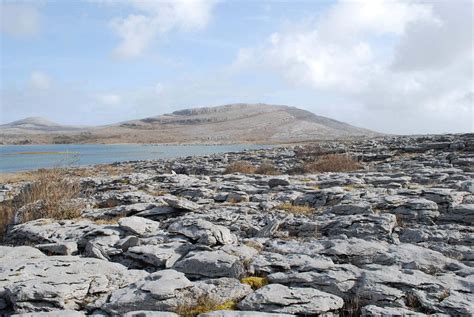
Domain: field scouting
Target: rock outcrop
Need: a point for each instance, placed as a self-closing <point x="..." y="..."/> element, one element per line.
<point x="395" y="237"/>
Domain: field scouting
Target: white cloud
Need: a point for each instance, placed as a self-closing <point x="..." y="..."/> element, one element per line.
<point x="156" y="18"/>
<point x="109" y="99"/>
<point x="387" y="57"/>
<point x="433" y="45"/>
<point x="40" y="80"/>
<point x="19" y="20"/>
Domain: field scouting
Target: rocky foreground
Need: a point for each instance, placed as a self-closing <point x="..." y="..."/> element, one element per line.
<point x="182" y="237"/>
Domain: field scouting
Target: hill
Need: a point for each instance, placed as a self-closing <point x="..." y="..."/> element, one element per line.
<point x="235" y="123"/>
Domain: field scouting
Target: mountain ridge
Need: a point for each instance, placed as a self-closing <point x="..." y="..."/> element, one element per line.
<point x="231" y="123"/>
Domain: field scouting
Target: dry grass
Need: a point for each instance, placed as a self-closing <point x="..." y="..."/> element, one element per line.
<point x="203" y="304"/>
<point x="330" y="163"/>
<point x="6" y="217"/>
<point x="254" y="244"/>
<point x="352" y="305"/>
<point x="240" y="167"/>
<point x="267" y="168"/>
<point x="296" y="209"/>
<point x="255" y="282"/>
<point x="51" y="194"/>
<point x="412" y="301"/>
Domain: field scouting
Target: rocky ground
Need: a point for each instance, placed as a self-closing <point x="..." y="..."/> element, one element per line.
<point x="395" y="238"/>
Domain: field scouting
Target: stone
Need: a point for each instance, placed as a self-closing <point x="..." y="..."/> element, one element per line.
<point x="149" y="313"/>
<point x="374" y="311"/>
<point x="181" y="203"/>
<point x="274" y="182"/>
<point x="58" y="248"/>
<point x="277" y="298"/>
<point x="239" y="313"/>
<point x="139" y="226"/>
<point x="203" y="231"/>
<point x="34" y="282"/>
<point x="159" y="256"/>
<point x="157" y="291"/>
<point x="55" y="313"/>
<point x="210" y="264"/>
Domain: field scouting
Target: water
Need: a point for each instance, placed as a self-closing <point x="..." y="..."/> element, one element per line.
<point x="15" y="158"/>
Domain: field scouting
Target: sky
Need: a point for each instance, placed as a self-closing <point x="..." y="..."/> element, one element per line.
<point x="398" y="66"/>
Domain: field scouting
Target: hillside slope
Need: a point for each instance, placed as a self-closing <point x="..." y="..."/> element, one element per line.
<point x="223" y="124"/>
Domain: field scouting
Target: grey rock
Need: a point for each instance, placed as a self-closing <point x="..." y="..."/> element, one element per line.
<point x="374" y="311"/>
<point x="274" y="182"/>
<point x="56" y="313"/>
<point x="210" y="264"/>
<point x="203" y="231"/>
<point x="139" y="226"/>
<point x="181" y="203"/>
<point x="58" y="248"/>
<point x="150" y="313"/>
<point x="34" y="282"/>
<point x="239" y="313"/>
<point x="160" y="256"/>
<point x="278" y="298"/>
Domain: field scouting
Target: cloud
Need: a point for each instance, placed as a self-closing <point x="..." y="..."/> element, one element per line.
<point x="40" y="81"/>
<point x="20" y="20"/>
<point x="156" y="18"/>
<point x="431" y="45"/>
<point x="389" y="58"/>
<point x="109" y="99"/>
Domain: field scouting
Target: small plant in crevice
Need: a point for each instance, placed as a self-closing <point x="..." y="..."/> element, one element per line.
<point x="296" y="209"/>
<point x="203" y="304"/>
<point x="255" y="282"/>
<point x="352" y="306"/>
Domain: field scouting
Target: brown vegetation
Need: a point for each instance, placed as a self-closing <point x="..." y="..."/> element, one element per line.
<point x="267" y="168"/>
<point x="52" y="193"/>
<point x="203" y="304"/>
<point x="296" y="209"/>
<point x="328" y="163"/>
<point x="240" y="167"/>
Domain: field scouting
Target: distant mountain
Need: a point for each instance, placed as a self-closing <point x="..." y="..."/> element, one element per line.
<point x="35" y="125"/>
<point x="235" y="123"/>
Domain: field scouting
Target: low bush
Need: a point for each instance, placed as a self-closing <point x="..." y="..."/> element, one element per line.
<point x="240" y="167"/>
<point x="329" y="163"/>
<point x="267" y="168"/>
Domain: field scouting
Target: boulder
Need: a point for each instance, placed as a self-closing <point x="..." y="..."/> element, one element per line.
<point x="277" y="298"/>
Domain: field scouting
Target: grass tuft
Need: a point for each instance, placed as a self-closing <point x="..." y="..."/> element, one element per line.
<point x="204" y="304"/>
<point x="255" y="282"/>
<point x="296" y="209"/>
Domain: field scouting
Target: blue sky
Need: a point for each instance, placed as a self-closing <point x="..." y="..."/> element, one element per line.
<point x="393" y="66"/>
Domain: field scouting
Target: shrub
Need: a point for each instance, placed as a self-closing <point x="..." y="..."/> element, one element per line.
<point x="309" y="151"/>
<point x="203" y="304"/>
<point x="52" y="194"/>
<point x="331" y="163"/>
<point x="255" y="282"/>
<point x="296" y="209"/>
<point x="240" y="167"/>
<point x="267" y="168"/>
